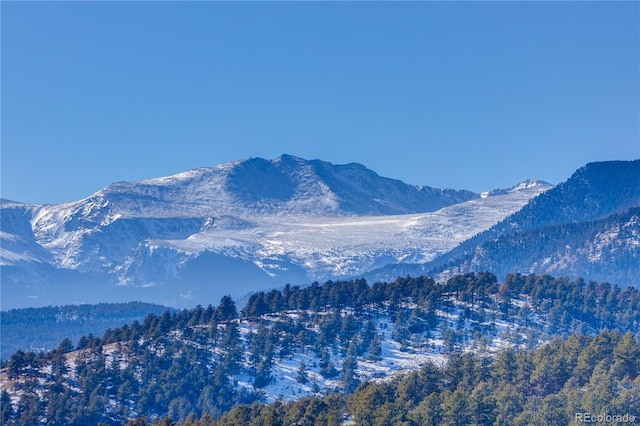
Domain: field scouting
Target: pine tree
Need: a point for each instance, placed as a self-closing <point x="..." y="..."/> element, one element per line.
<point x="6" y="409"/>
<point x="375" y="349"/>
<point x="627" y="358"/>
<point x="348" y="374"/>
<point x="302" y="376"/>
<point x="329" y="371"/>
<point x="428" y="412"/>
<point x="457" y="411"/>
<point x="233" y="347"/>
<point x="401" y="331"/>
<point x="263" y="373"/>
<point x="483" y="404"/>
<point x="226" y="310"/>
<point x="367" y="335"/>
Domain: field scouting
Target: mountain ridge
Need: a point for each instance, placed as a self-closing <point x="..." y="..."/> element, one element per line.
<point x="287" y="219"/>
<point x="585" y="206"/>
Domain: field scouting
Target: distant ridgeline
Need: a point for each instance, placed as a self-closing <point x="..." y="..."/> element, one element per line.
<point x="322" y="342"/>
<point x="42" y="329"/>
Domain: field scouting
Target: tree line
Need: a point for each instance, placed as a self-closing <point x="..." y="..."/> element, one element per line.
<point x="184" y="364"/>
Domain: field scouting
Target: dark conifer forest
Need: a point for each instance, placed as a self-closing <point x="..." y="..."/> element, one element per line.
<point x="42" y="329"/>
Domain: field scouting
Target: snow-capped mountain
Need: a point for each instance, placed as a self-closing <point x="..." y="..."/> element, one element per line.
<point x="256" y="223"/>
<point x="587" y="226"/>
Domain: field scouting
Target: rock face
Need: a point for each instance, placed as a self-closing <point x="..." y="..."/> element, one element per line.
<point x="254" y="223"/>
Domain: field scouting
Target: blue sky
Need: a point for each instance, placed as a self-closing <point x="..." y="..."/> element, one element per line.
<point x="473" y="95"/>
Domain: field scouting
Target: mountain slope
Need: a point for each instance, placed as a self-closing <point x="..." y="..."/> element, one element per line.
<point x="278" y="221"/>
<point x="592" y="192"/>
<point x="320" y="339"/>
<point x="586" y="226"/>
<point x="605" y="249"/>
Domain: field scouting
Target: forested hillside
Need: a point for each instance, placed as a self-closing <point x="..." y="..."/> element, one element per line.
<point x="42" y="329"/>
<point x="329" y="339"/>
<point x="603" y="249"/>
<point x="559" y="384"/>
<point x="587" y="227"/>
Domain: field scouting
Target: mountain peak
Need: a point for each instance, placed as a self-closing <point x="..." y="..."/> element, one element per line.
<point x="287" y="158"/>
<point x="531" y="183"/>
<point x="284" y="185"/>
<point x="281" y="219"/>
<point x="525" y="185"/>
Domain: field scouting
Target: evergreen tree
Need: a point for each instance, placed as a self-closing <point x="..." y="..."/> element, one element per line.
<point x="327" y="368"/>
<point x="375" y="349"/>
<point x="226" y="310"/>
<point x="233" y="347"/>
<point x="302" y="376"/>
<point x="483" y="404"/>
<point x="329" y="371"/>
<point x="401" y="331"/>
<point x="263" y="374"/>
<point x="348" y="374"/>
<point x="456" y="409"/>
<point x="429" y="412"/>
<point x="6" y="408"/>
<point x="627" y="358"/>
<point x="367" y="335"/>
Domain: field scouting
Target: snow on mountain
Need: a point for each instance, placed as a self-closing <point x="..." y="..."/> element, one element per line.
<point x="583" y="227"/>
<point x="344" y="246"/>
<point x="285" y="219"/>
<point x="525" y="184"/>
<point x="17" y="241"/>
